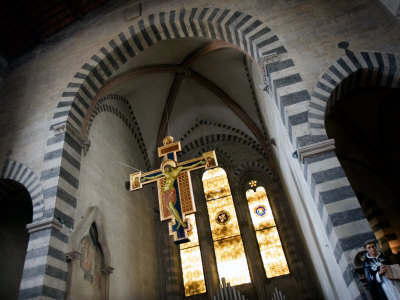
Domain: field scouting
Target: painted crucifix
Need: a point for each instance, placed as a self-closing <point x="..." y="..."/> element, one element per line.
<point x="174" y="186"/>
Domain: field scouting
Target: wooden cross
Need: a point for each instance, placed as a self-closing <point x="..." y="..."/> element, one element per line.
<point x="174" y="186"/>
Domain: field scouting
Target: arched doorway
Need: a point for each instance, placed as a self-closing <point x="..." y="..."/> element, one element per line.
<point x="363" y="124"/>
<point x="15" y="214"/>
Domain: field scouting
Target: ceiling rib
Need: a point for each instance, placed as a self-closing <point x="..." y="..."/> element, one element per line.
<point x="237" y="110"/>
<point x="169" y="103"/>
<point x="182" y="70"/>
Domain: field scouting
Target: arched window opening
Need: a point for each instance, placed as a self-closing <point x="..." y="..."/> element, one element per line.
<point x="228" y="245"/>
<point x="192" y="266"/>
<point x="267" y="234"/>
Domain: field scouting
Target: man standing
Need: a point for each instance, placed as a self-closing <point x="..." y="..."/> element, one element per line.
<point x="380" y="286"/>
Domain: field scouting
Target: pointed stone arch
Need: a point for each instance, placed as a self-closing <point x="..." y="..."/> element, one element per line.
<point x="91" y="83"/>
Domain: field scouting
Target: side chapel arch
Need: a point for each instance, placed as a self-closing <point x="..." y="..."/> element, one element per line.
<point x="351" y="71"/>
<point x="323" y="172"/>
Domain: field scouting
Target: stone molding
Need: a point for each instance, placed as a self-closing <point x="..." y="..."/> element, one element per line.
<point x="265" y="61"/>
<point x="74" y="133"/>
<point x="43" y="225"/>
<point x="315" y="149"/>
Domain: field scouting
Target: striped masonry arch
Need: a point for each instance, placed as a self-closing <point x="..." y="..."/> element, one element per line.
<point x="344" y="220"/>
<point x="21" y="173"/>
<point x="217" y="124"/>
<point x="36" y="252"/>
<point x="60" y="178"/>
<point x="125" y="113"/>
<point x="215" y="138"/>
<point x="348" y="72"/>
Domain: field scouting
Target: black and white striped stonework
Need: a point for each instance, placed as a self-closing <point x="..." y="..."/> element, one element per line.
<point x="355" y="69"/>
<point x="20" y="173"/>
<point x="220" y="152"/>
<point x="42" y="260"/>
<point x="200" y="123"/>
<point x="127" y="116"/>
<point x="215" y="138"/>
<point x="60" y="178"/>
<point x="253" y="165"/>
<point x="338" y="207"/>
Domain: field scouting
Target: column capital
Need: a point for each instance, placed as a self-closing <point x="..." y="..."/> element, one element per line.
<point x="315" y="149"/>
<point x="43" y="225"/>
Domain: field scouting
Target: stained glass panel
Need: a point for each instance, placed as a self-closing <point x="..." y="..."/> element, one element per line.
<point x="267" y="235"/>
<point x="215" y="184"/>
<point x="192" y="267"/>
<point x="223" y="218"/>
<point x="260" y="211"/>
<point x="272" y="253"/>
<point x="228" y="246"/>
<point x="231" y="261"/>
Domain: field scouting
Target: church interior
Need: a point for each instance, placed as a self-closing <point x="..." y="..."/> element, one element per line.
<point x="298" y="99"/>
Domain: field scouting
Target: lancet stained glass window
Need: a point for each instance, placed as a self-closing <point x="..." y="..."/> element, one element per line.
<point x="228" y="245"/>
<point x="192" y="266"/>
<point x="267" y="235"/>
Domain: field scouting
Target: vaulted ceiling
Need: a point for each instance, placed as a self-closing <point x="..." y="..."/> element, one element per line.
<point x="175" y="84"/>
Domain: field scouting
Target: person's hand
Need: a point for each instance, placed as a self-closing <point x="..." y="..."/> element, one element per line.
<point x="382" y="270"/>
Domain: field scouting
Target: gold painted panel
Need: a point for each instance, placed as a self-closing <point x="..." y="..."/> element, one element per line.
<point x="231" y="261"/>
<point x="223" y="218"/>
<point x="192" y="271"/>
<point x="215" y="183"/>
<point x="185" y="193"/>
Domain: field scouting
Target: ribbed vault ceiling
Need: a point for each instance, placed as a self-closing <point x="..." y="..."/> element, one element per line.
<point x="174" y="84"/>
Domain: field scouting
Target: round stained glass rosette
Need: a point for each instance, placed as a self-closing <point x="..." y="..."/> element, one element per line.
<point x="260" y="210"/>
<point x="222" y="217"/>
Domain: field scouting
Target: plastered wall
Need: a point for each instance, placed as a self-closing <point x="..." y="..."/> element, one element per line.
<point x="128" y="216"/>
